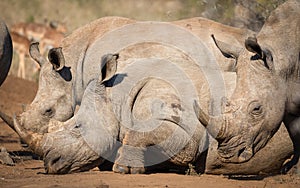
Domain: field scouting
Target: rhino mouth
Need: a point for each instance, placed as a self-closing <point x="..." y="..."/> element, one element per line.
<point x="54" y="163"/>
<point x="234" y="150"/>
<point x="60" y="164"/>
<point x="65" y="153"/>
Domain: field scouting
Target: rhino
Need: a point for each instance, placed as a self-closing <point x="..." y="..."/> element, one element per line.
<point x="75" y="65"/>
<point x="5" y="51"/>
<point x="267" y="92"/>
<point x="99" y="130"/>
<point x="65" y="75"/>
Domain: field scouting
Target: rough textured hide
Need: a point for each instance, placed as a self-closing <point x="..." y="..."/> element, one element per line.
<point x="139" y="62"/>
<point x="267" y="91"/>
<point x="5" y="51"/>
<point x="82" y="51"/>
<point x="268" y="160"/>
<point x="132" y="155"/>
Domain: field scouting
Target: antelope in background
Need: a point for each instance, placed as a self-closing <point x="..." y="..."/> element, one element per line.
<point x="49" y="36"/>
<point x="20" y="46"/>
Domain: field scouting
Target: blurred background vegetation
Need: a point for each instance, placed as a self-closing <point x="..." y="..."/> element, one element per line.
<point x="76" y="13"/>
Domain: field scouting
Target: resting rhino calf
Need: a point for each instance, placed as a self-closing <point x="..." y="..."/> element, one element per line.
<point x="5" y="51"/>
<point x="100" y="127"/>
<point x="267" y="91"/>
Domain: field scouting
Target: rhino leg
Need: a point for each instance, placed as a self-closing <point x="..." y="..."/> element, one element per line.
<point x="292" y="124"/>
<point x="130" y="160"/>
<point x="131" y="155"/>
<point x="167" y="142"/>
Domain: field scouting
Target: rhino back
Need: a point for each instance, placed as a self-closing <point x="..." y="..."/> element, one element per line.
<point x="204" y="28"/>
<point x="83" y="54"/>
<point x="76" y="45"/>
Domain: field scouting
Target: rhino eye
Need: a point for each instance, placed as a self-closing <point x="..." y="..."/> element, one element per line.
<point x="77" y="126"/>
<point x="255" y="108"/>
<point x="49" y="112"/>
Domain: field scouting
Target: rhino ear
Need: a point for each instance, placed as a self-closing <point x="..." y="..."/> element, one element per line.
<point x="108" y="66"/>
<point x="228" y="50"/>
<point x="265" y="55"/>
<point x="35" y="54"/>
<point x="252" y="46"/>
<point x="56" y="58"/>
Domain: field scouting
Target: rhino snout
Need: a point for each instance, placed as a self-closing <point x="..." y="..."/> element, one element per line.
<point x="66" y="152"/>
<point x="245" y="154"/>
<point x="56" y="164"/>
<point x="240" y="155"/>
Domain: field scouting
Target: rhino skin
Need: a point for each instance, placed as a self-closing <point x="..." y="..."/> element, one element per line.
<point x="68" y="74"/>
<point x="63" y="79"/>
<point x="91" y="136"/>
<point x="5" y="51"/>
<point x="267" y="91"/>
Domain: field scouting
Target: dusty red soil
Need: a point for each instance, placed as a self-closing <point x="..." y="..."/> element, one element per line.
<point x="29" y="171"/>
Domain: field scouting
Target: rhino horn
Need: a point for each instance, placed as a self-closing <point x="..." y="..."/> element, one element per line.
<point x="56" y="58"/>
<point x="35" y="54"/>
<point x="32" y="139"/>
<point x="215" y="125"/>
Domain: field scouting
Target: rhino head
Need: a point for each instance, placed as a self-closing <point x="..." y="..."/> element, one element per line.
<point x="255" y="110"/>
<point x="79" y="143"/>
<point x="268" y="69"/>
<point x="54" y="98"/>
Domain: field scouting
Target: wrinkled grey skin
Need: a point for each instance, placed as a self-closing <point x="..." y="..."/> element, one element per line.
<point x="267" y="91"/>
<point x="92" y="135"/>
<point x="5" y="51"/>
<point x="63" y="80"/>
<point x="94" y="131"/>
<point x="96" y="115"/>
<point x="102" y="117"/>
<point x="60" y="147"/>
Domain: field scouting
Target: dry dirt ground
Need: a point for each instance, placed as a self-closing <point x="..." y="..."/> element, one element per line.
<point x="29" y="171"/>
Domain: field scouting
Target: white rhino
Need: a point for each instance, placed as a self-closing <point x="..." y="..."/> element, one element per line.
<point x="64" y="77"/>
<point x="267" y="91"/>
<point x="101" y="126"/>
<point x="175" y="53"/>
<point x="5" y="51"/>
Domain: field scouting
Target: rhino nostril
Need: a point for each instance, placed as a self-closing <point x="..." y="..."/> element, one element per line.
<point x="49" y="112"/>
<point x="55" y="160"/>
<point x="241" y="151"/>
<point x="245" y="154"/>
<point x="257" y="108"/>
<point x="51" y="165"/>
